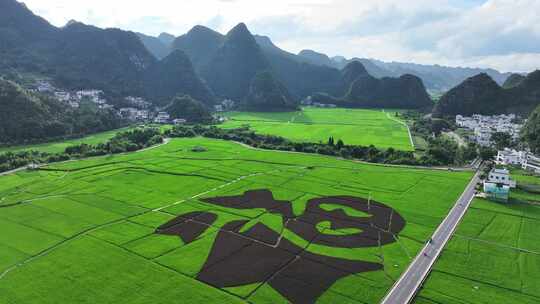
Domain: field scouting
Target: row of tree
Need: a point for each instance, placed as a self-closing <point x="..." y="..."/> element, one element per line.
<point x="440" y="151"/>
<point x="123" y="142"/>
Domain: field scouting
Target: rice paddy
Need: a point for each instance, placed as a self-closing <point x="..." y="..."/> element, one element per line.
<point x="146" y="227"/>
<point x="494" y="257"/>
<point x="353" y="126"/>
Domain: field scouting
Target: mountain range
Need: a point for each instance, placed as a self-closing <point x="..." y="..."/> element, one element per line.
<point x="364" y="90"/>
<point x="210" y="66"/>
<point x="482" y="95"/>
<point x="436" y="78"/>
<point x="79" y="56"/>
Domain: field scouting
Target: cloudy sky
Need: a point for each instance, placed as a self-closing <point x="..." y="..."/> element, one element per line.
<point x="502" y="34"/>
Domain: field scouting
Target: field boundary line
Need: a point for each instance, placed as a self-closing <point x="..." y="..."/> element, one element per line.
<point x="497" y="244"/>
<point x="402" y="123"/>
<point x="13" y="171"/>
<point x="165" y="141"/>
<point x="46" y="251"/>
<point x="212" y="190"/>
<point x="350" y="160"/>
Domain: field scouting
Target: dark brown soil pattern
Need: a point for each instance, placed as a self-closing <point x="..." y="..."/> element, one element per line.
<point x="261" y="255"/>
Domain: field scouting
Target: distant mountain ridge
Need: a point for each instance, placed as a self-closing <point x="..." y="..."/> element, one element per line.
<point x="210" y="66"/>
<point x="199" y="44"/>
<point x="364" y="90"/>
<point x="232" y="67"/>
<point x="267" y="94"/>
<point x="482" y="95"/>
<point x="513" y="81"/>
<point x="79" y="56"/>
<point x="436" y="78"/>
<point x="174" y="75"/>
<point x="313" y="57"/>
<point x="155" y="46"/>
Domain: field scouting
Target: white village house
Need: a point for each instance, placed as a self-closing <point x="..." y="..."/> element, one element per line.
<point x="498" y="184"/>
<point x="524" y="159"/>
<point x="484" y="126"/>
<point x="531" y="163"/>
<point x="501" y="176"/>
<point x="128" y="113"/>
<point x="179" y="121"/>
<point x="510" y="157"/>
<point x="162" y="118"/>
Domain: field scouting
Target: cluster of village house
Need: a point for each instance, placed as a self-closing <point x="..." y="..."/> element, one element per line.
<point x="496" y="186"/>
<point x="139" y="110"/>
<point x="309" y="102"/>
<point x="484" y="127"/>
<point x="498" y="183"/>
<point x="73" y="99"/>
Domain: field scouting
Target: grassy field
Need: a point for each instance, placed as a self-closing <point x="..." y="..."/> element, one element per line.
<point x="353" y="126"/>
<point x="494" y="256"/>
<point x="85" y="231"/>
<point x="60" y="146"/>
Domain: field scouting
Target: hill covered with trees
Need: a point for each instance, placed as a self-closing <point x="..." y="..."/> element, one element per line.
<point x="268" y="94"/>
<point x="27" y="117"/>
<point x="235" y="63"/>
<point x="172" y="75"/>
<point x="192" y="110"/>
<point x="79" y="56"/>
<point x="531" y="131"/>
<point x="482" y="95"/>
<point x="364" y="90"/>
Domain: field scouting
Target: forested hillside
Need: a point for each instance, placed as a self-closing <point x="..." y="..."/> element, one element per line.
<point x="26" y="116"/>
<point x="482" y="95"/>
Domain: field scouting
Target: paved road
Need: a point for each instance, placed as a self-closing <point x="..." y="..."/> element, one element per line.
<point x="411" y="280"/>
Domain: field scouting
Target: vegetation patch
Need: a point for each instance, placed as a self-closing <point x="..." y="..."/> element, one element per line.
<point x="95" y="219"/>
<point x="495" y="254"/>
<point x="353" y="126"/>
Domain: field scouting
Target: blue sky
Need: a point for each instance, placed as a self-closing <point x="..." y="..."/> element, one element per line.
<point x="501" y="34"/>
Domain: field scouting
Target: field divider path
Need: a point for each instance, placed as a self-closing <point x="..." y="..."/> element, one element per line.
<point x="87" y="231"/>
<point x="13" y="171"/>
<point x="211" y="190"/>
<point x="165" y="141"/>
<point x="402" y="123"/>
<point x="410" y="282"/>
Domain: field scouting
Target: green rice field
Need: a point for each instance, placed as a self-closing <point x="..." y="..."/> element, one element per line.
<point x="494" y="256"/>
<point x="99" y="230"/>
<point x="353" y="126"/>
<point x="60" y="146"/>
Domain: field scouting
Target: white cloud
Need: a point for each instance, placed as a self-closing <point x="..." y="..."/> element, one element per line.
<point x="502" y="34"/>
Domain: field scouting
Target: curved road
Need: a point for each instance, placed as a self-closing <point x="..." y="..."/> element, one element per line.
<point x="412" y="279"/>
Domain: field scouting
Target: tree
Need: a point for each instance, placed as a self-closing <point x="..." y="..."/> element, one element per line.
<point x="531" y="131"/>
<point x="442" y="150"/>
<point x="331" y="141"/>
<point x="194" y="111"/>
<point x="470" y="152"/>
<point x="502" y="140"/>
<point x="340" y="144"/>
<point x="487" y="153"/>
